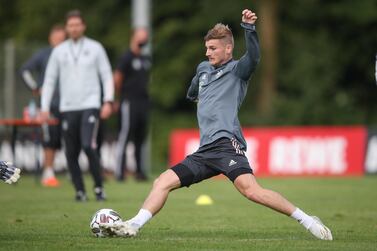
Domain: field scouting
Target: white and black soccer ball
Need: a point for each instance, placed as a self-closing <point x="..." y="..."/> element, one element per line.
<point x="105" y="215"/>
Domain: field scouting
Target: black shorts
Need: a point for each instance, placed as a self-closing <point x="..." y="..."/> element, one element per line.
<point x="222" y="156"/>
<point x="52" y="133"/>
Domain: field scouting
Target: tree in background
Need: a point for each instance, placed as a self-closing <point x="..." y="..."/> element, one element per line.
<point x="268" y="28"/>
<point x="326" y="51"/>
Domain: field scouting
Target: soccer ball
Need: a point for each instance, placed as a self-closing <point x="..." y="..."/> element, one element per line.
<point x="105" y="215"/>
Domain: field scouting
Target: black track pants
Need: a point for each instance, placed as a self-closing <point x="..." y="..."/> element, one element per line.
<point x="80" y="130"/>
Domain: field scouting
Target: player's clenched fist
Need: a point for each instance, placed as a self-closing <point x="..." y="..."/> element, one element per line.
<point x="248" y="16"/>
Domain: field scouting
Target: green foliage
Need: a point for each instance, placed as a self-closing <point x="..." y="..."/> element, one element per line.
<point x="326" y="68"/>
<point x="107" y="21"/>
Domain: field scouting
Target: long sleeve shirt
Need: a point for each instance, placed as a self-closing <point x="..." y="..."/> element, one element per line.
<point x="80" y="68"/>
<point x="221" y="90"/>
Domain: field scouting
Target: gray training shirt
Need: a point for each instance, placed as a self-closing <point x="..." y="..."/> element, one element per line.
<point x="220" y="92"/>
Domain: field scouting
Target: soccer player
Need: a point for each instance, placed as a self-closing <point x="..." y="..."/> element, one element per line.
<point x="80" y="65"/>
<point x="219" y="87"/>
<point x="8" y="172"/>
<point x="51" y="133"/>
<point x="131" y="79"/>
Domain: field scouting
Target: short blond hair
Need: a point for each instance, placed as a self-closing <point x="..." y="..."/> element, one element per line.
<point x="220" y="31"/>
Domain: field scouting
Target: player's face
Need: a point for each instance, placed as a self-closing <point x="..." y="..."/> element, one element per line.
<point x="218" y="52"/>
<point x="56" y="37"/>
<point x="75" y="27"/>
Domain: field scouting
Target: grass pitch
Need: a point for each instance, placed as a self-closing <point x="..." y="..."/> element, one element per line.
<point x="37" y="218"/>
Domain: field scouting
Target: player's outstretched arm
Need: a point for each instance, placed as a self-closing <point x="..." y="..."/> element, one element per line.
<point x="8" y="172"/>
<point x="248" y="63"/>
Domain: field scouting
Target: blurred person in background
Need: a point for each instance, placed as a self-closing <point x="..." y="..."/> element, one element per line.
<point x="131" y="78"/>
<point x="80" y="65"/>
<point x="219" y="88"/>
<point x="36" y="65"/>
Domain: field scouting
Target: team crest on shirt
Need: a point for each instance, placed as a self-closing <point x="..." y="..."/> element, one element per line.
<point x="136" y="64"/>
<point x="219" y="73"/>
<point x="202" y="81"/>
<point x="139" y="63"/>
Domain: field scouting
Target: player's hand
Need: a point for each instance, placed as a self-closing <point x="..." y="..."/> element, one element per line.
<point x="106" y="110"/>
<point x="8" y="172"/>
<point x="248" y="16"/>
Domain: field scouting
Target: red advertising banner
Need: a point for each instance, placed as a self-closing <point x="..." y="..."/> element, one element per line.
<point x="291" y="150"/>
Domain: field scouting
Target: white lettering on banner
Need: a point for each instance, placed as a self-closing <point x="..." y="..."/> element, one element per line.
<point x="371" y="158"/>
<point x="191" y="146"/>
<point x="252" y="152"/>
<point x="6" y="151"/>
<point x="26" y="153"/>
<point x="307" y="155"/>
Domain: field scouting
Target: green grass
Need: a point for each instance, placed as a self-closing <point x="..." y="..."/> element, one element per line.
<point x="36" y="218"/>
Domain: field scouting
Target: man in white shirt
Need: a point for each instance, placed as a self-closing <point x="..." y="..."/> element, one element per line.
<point x="80" y="65"/>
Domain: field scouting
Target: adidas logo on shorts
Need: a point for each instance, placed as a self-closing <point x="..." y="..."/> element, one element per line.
<point x="232" y="162"/>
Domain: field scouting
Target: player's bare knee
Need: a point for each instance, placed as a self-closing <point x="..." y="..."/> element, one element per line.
<point x="163" y="182"/>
